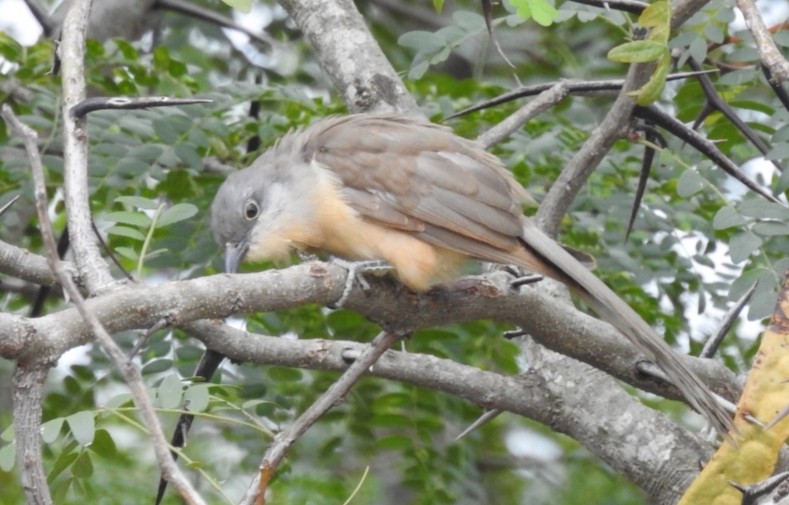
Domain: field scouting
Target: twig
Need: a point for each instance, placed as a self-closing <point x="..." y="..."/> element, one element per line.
<point x="711" y="346"/>
<point x="9" y="204"/>
<point x="285" y="439"/>
<point x="632" y="6"/>
<point x="561" y="195"/>
<point x="481" y="421"/>
<point x="715" y="101"/>
<point x="195" y="11"/>
<point x="544" y="101"/>
<point x="130" y="373"/>
<point x="652" y="138"/>
<point x="42" y="16"/>
<point x="768" y="52"/>
<point x="703" y="145"/>
<point x="778" y="88"/>
<point x="574" y="87"/>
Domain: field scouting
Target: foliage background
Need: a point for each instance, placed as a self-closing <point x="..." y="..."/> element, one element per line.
<point x="680" y="268"/>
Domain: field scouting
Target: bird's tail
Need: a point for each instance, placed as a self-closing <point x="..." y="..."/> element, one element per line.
<point x="566" y="269"/>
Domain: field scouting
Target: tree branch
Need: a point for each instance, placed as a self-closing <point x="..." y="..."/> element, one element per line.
<point x="92" y="268"/>
<point x="542" y="102"/>
<point x="552" y="322"/>
<point x="585" y="161"/>
<point x="286" y="438"/>
<point x="20" y="263"/>
<point x="768" y="52"/>
<point x="350" y="56"/>
<point x="28" y="392"/>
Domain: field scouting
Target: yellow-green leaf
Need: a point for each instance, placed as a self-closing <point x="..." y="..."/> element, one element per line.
<point x="652" y="90"/>
<point x="638" y="51"/>
<point x="240" y="5"/>
<point x="656" y="14"/>
<point x="657" y="17"/>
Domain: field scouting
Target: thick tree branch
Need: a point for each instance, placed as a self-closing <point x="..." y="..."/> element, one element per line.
<point x="552" y="322"/>
<point x="350" y="56"/>
<point x="92" y="268"/>
<point x="20" y="263"/>
<point x="28" y="392"/>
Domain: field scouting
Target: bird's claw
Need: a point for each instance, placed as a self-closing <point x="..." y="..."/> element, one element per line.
<point x="356" y="269"/>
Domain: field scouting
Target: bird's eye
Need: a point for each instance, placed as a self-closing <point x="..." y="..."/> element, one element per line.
<point x="251" y="210"/>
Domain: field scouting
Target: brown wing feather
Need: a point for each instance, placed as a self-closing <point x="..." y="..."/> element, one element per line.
<point x="420" y="177"/>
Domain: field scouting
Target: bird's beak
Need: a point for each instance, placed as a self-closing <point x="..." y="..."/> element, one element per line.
<point x="234" y="255"/>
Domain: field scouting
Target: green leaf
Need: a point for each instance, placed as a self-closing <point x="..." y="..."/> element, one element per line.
<point x="653" y="89"/>
<point x="762" y="303"/>
<point x="170" y="392"/>
<point x="469" y="22"/>
<point x="138" y="202"/>
<point x="189" y="155"/>
<point x="197" y="397"/>
<point x="176" y="213"/>
<point x="137" y="219"/>
<point x="638" y="51"/>
<point x="394" y="442"/>
<point x="7" y="457"/>
<point x="727" y="217"/>
<point x="7" y="434"/>
<point x="104" y="445"/>
<point x="83" y="466"/>
<point x="771" y="228"/>
<point x="543" y="13"/>
<point x="763" y="209"/>
<point x="157" y="366"/>
<point x="50" y="430"/>
<point x="743" y="245"/>
<point x="422" y="41"/>
<point x="10" y="49"/>
<point x="83" y="427"/>
<point x="689" y="183"/>
<point x="127" y="252"/>
<point x="125" y="231"/>
<point x="284" y="374"/>
<point x="540" y="11"/>
<point x="438" y="5"/>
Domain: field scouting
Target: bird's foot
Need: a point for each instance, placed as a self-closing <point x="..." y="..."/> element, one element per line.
<point x="356" y="269"/>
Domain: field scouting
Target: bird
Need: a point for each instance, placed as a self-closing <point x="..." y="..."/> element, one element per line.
<point x="411" y="193"/>
<point x="426" y="201"/>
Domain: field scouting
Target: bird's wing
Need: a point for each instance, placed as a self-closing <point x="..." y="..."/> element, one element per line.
<point x="419" y="177"/>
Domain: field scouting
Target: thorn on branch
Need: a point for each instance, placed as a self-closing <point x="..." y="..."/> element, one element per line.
<point x="95" y="103"/>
